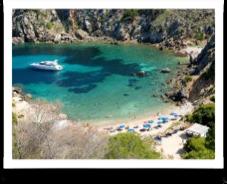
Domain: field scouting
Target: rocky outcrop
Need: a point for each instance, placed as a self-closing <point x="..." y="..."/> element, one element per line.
<point x="204" y="66"/>
<point x="168" y="28"/>
<point x="207" y="56"/>
<point x="17" y="40"/>
<point x="177" y="96"/>
<point x="81" y="34"/>
<point x="202" y="69"/>
<point x="121" y="34"/>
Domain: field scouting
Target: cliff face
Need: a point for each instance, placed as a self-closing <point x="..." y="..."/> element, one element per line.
<point x="204" y="66"/>
<point x="169" y="27"/>
<point x="195" y="81"/>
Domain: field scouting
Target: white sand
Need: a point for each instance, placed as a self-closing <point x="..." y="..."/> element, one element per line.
<point x="182" y="110"/>
<point x="172" y="146"/>
<point x="193" y="51"/>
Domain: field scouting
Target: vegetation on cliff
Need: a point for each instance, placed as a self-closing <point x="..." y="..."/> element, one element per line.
<point x="152" y="26"/>
<point x="196" y="148"/>
<point x="205" y="115"/>
<point x="130" y="146"/>
<point x="200" y="147"/>
<point x="38" y="138"/>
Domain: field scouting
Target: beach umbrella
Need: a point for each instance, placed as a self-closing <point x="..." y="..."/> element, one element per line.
<point x="146" y="126"/>
<point x="174" y="114"/>
<point x="150" y="121"/>
<point x="164" y="119"/>
<point x="122" y="125"/>
<point x="131" y="130"/>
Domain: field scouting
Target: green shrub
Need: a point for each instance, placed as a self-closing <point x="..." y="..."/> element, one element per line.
<point x="202" y="154"/>
<point x="129" y="145"/>
<point x="130" y="14"/>
<point x="212" y="98"/>
<point x="20" y="116"/>
<point x="49" y="25"/>
<point x="199" y="36"/>
<point x="14" y="117"/>
<point x="205" y="115"/>
<point x="188" y="78"/>
<point x="210" y="138"/>
<point x="194" y="143"/>
<point x="196" y="148"/>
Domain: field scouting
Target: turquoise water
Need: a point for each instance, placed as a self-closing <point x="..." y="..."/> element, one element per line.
<point x="96" y="83"/>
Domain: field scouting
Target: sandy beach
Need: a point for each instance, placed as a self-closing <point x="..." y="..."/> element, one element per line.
<point x="23" y="107"/>
<point x="182" y="110"/>
<point x="169" y="146"/>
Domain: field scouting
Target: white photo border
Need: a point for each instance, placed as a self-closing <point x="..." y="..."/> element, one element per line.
<point x="217" y="5"/>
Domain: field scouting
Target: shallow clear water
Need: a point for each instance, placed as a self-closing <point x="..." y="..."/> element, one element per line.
<point x="97" y="82"/>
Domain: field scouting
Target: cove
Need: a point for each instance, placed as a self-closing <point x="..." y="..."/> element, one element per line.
<point x="96" y="84"/>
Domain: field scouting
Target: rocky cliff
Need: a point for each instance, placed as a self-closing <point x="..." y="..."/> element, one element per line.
<point x="169" y="28"/>
<point x="204" y="67"/>
<point x="195" y="82"/>
<point x="172" y="29"/>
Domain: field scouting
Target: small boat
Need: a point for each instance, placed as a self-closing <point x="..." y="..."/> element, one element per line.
<point x="47" y="65"/>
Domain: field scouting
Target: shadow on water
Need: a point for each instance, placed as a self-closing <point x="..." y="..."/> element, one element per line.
<point x="75" y="81"/>
<point x="82" y="82"/>
<point x="28" y="76"/>
<point x="83" y="89"/>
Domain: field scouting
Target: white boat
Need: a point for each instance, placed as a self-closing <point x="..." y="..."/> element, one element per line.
<point x="47" y="65"/>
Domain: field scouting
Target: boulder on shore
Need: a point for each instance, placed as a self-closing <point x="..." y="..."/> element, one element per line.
<point x="81" y="34"/>
<point x="177" y="96"/>
<point x="17" y="40"/>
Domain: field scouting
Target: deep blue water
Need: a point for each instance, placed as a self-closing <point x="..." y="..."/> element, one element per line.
<point x="97" y="82"/>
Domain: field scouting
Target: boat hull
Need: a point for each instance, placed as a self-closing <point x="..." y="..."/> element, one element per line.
<point x="58" y="68"/>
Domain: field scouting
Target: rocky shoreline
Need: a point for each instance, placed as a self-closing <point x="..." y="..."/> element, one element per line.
<point x="164" y="29"/>
<point x="193" y="74"/>
<point x="25" y="106"/>
<point x="187" y="33"/>
<point x="178" y="95"/>
<point x="180" y="50"/>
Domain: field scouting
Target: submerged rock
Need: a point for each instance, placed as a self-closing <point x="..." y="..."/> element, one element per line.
<point x="29" y="96"/>
<point x="137" y="87"/>
<point x="140" y="74"/>
<point x="165" y="70"/>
